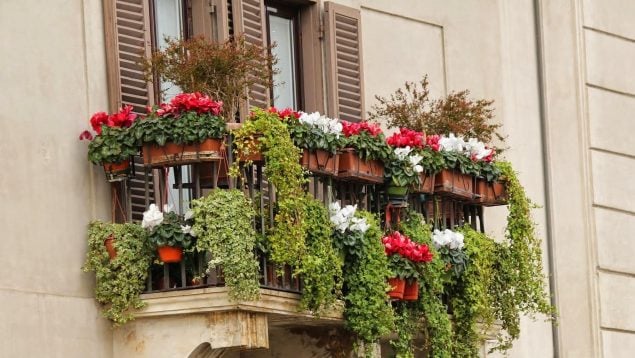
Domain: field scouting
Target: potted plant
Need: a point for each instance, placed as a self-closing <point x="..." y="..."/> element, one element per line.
<point x="112" y="145"/>
<point x="490" y="187"/>
<point x="186" y="130"/>
<point x="320" y="138"/>
<point x="364" y="153"/>
<point x="402" y="172"/>
<point x="449" y="245"/>
<point x="404" y="256"/>
<point x="169" y="232"/>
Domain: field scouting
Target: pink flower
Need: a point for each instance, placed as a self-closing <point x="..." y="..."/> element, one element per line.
<point x="85" y="135"/>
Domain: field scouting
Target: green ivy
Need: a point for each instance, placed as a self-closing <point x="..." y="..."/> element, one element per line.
<point x="118" y="282"/>
<point x="223" y="225"/>
<point x="283" y="170"/>
<point x="437" y="328"/>
<point x="368" y="312"/>
<point x="112" y="145"/>
<point x="321" y="266"/>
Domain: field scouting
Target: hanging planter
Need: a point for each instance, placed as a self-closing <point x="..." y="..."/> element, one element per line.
<point x="453" y="183"/>
<point x="397" y="195"/>
<point x="170" y="254"/>
<point x="251" y="150"/>
<point x="117" y="171"/>
<point x="397" y="288"/>
<point x="320" y="162"/>
<point x="425" y="185"/>
<point x="172" y="154"/>
<point x="110" y="247"/>
<point x="411" y="290"/>
<point x="353" y="168"/>
<point x="492" y="193"/>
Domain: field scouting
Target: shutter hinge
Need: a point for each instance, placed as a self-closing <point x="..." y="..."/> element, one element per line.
<point x="212" y="8"/>
<point x="321" y="30"/>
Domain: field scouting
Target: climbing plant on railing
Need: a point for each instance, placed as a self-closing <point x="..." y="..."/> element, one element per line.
<point x="119" y="281"/>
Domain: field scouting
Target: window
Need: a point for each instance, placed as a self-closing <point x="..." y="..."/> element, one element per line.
<point x="282" y="30"/>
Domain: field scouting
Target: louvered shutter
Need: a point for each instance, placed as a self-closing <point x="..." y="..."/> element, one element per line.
<point x="249" y="19"/>
<point x="128" y="38"/>
<point x="345" y="78"/>
<point x="210" y="19"/>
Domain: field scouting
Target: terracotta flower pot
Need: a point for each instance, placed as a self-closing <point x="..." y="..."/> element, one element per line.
<point x="353" y="168"/>
<point x="398" y="285"/>
<point x="490" y="193"/>
<point x="320" y="162"/>
<point x="453" y="183"/>
<point x="170" y="254"/>
<point x="411" y="291"/>
<point x="110" y="247"/>
<point x="426" y="184"/>
<point x="253" y="147"/>
<point x="117" y="171"/>
<point x="172" y="154"/>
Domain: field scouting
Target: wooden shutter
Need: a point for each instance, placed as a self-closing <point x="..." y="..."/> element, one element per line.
<point x="249" y="19"/>
<point x="345" y="78"/>
<point x="210" y="19"/>
<point x="128" y="39"/>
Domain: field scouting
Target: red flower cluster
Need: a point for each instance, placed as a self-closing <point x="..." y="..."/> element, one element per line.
<point x="397" y="243"/>
<point x="351" y="129"/>
<point x="432" y="141"/>
<point x="286" y="113"/>
<point x="123" y="118"/>
<point x="185" y="102"/>
<point x="406" y="138"/>
<point x="488" y="159"/>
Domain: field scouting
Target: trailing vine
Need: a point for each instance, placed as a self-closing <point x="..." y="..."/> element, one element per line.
<point x="321" y="266"/>
<point x="120" y="281"/>
<point x="519" y="286"/>
<point x="223" y="225"/>
<point x="437" y="328"/>
<point x="283" y="170"/>
<point x="367" y="312"/>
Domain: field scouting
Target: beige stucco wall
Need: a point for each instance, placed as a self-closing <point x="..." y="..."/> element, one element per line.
<point x="53" y="77"/>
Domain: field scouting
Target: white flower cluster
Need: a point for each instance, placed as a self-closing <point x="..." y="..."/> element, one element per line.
<point x="472" y="148"/>
<point x="449" y="238"/>
<point x="405" y="154"/>
<point x="323" y="123"/>
<point x="344" y="218"/>
<point x="153" y="217"/>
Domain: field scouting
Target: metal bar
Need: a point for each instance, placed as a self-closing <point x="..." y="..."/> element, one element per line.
<point x="197" y="182"/>
<point x="271" y="202"/>
<point x="149" y="280"/>
<point x="183" y="276"/>
<point x="146" y="186"/>
<point x="230" y="160"/>
<point x="215" y="174"/>
<point x="473" y="212"/>
<point x="166" y="277"/>
<point x="261" y="199"/>
<point x="481" y="219"/>
<point x="178" y="177"/>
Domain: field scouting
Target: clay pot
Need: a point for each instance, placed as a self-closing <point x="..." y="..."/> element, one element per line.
<point x="426" y="184"/>
<point x="172" y="154"/>
<point x="411" y="291"/>
<point x="253" y="147"/>
<point x="170" y="254"/>
<point x="490" y="193"/>
<point x="453" y="183"/>
<point x="353" y="168"/>
<point x="320" y="162"/>
<point x="398" y="285"/>
<point x="110" y="247"/>
<point x="117" y="171"/>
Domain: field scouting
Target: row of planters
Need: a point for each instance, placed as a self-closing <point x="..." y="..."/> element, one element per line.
<point x="342" y="254"/>
<point x="189" y="129"/>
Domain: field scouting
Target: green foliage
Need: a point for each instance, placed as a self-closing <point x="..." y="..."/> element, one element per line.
<point x="437" y="329"/>
<point x="432" y="161"/>
<point x="170" y="233"/>
<point x="412" y="108"/>
<point x="283" y="170"/>
<point x="188" y="128"/>
<point x="221" y="70"/>
<point x="313" y="138"/>
<point x="118" y="282"/>
<point x="321" y="266"/>
<point x="407" y="325"/>
<point x="368" y="312"/>
<point x="223" y="224"/>
<point x="471" y="298"/>
<point x="369" y="147"/>
<point x="519" y="287"/>
<point x="402" y="268"/>
<point x="113" y="145"/>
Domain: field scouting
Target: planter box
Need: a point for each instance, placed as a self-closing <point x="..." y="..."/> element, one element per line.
<point x="426" y="184"/>
<point x="172" y="154"/>
<point x="117" y="171"/>
<point x="255" y="155"/>
<point x="453" y="183"/>
<point x="490" y="193"/>
<point x="320" y="162"/>
<point x="353" y="168"/>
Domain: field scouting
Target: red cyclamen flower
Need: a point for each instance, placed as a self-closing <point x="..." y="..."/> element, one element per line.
<point x="432" y="141"/>
<point x="406" y="138"/>
<point x="351" y="128"/>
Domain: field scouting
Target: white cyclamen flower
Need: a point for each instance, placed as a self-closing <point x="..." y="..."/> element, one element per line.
<point x="440" y="239"/>
<point x="189" y="214"/>
<point x="402" y="153"/>
<point x="341" y="217"/>
<point x="359" y="224"/>
<point x="414" y="162"/>
<point x="152" y="217"/>
<point x="452" y="143"/>
<point x="457" y="241"/>
<point x="309" y="118"/>
<point x="187" y="229"/>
